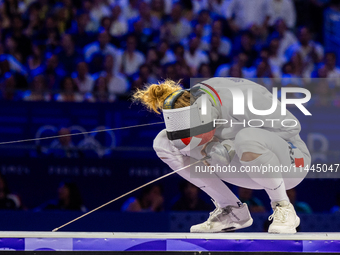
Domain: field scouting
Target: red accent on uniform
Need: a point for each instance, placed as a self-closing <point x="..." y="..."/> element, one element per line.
<point x="206" y="137"/>
<point x="213" y="90"/>
<point x="299" y="162"/>
<point x="186" y="141"/>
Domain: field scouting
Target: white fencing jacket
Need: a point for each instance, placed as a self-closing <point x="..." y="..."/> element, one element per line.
<point x="262" y="100"/>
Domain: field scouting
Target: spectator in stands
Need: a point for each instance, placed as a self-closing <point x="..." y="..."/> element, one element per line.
<point x="82" y="31"/>
<point x="92" y="23"/>
<point x="299" y="67"/>
<point x="153" y="60"/>
<point x="45" y="9"/>
<point x="116" y="83"/>
<point x="199" y="5"/>
<point x="95" y="51"/>
<point x="242" y="14"/>
<point x="119" y="26"/>
<point x="69" y="198"/>
<point x="100" y="92"/>
<point x="22" y="41"/>
<point x="235" y="71"/>
<point x="11" y="47"/>
<point x="149" y="21"/>
<point x="300" y="207"/>
<point x="193" y="56"/>
<point x="254" y="204"/>
<point x="190" y="199"/>
<point x="64" y="18"/>
<point x="105" y="23"/>
<point x="184" y="73"/>
<point x="286" y="37"/>
<point x="130" y="9"/>
<point x="281" y="10"/>
<point x="9" y="87"/>
<point x="35" y="24"/>
<point x="204" y="71"/>
<point x="275" y="60"/>
<point x="69" y="8"/>
<point x="198" y="31"/>
<point x="165" y="54"/>
<point x="311" y="52"/>
<point x="52" y="71"/>
<point x="332" y="71"/>
<point x="35" y="60"/>
<point x="330" y="64"/>
<point x="144" y="77"/>
<point x="11" y="62"/>
<point x="68" y="55"/>
<point x="38" y="90"/>
<point x="131" y="58"/>
<point x="179" y="54"/>
<point x="177" y="28"/>
<point x="216" y="58"/>
<point x="146" y="38"/>
<point x="168" y="7"/>
<point x="98" y="10"/>
<point x="150" y="200"/>
<point x="181" y="67"/>
<point x="7" y="200"/>
<point x="246" y="44"/>
<point x="219" y="7"/>
<point x="241" y="61"/>
<point x="82" y="78"/>
<point x="289" y="77"/>
<point x="158" y="8"/>
<point x="5" y="15"/>
<point x="69" y="91"/>
<point x="169" y="72"/>
<point x="50" y="34"/>
<point x="205" y="21"/>
<point x="264" y="74"/>
<point x="224" y="47"/>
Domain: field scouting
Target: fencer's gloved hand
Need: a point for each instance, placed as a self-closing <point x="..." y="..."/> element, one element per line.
<point x="220" y="153"/>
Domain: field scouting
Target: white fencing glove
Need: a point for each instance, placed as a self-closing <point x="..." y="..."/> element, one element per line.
<point x="221" y="153"/>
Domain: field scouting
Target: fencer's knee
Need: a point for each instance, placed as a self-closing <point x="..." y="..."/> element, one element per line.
<point x="250" y="142"/>
<point x="245" y="136"/>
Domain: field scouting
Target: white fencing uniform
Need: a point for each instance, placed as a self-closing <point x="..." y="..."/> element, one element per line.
<point x="277" y="145"/>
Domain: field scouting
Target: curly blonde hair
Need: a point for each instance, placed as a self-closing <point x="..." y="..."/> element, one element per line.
<point x="153" y="96"/>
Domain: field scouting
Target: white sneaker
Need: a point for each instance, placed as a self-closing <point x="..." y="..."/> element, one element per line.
<point x="225" y="219"/>
<point x="285" y="220"/>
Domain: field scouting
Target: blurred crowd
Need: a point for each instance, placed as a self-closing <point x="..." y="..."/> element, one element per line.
<point x="102" y="50"/>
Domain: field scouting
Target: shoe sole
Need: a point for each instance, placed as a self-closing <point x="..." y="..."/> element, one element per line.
<point x="224" y="230"/>
<point x="286" y="231"/>
<point x="245" y="225"/>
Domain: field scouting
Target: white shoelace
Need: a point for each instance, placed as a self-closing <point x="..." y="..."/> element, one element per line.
<point x="279" y="214"/>
<point x="213" y="213"/>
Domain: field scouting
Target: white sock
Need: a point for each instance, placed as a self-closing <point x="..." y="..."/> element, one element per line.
<point x="275" y="187"/>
